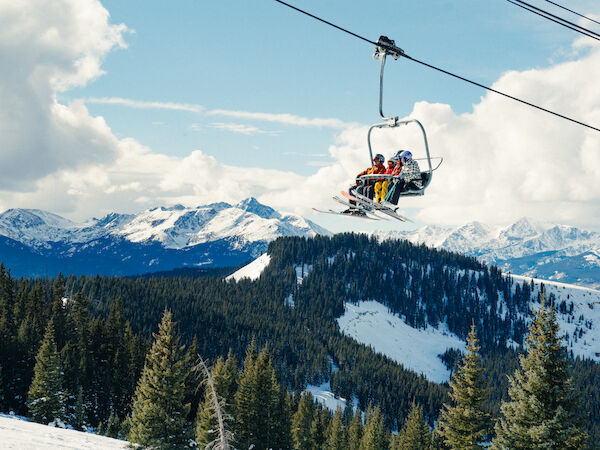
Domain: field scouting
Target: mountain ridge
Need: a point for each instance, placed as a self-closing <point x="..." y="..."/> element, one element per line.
<point x="527" y="247"/>
<point x="161" y="238"/>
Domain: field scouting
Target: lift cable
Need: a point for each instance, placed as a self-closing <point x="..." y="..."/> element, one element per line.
<point x="556" y="19"/>
<point x="400" y="53"/>
<point x="574" y="12"/>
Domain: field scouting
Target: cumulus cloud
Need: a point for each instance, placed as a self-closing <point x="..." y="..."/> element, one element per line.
<point x="47" y="47"/>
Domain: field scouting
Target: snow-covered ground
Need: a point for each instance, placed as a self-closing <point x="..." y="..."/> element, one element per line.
<point x="322" y="393"/>
<point x="252" y="270"/>
<point x="371" y="323"/>
<point x="16" y="433"/>
<point x="302" y="271"/>
<point x="581" y="325"/>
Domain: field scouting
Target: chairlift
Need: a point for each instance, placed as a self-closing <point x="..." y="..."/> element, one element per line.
<point x="385" y="46"/>
<point x="363" y="206"/>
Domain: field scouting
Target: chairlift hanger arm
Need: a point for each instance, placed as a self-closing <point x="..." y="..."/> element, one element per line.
<point x="385" y="46"/>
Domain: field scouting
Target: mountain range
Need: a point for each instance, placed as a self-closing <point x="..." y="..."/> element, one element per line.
<point x="553" y="252"/>
<point x="35" y="242"/>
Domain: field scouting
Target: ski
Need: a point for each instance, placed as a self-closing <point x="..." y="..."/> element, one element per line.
<point x="358" y="216"/>
<point x="367" y="210"/>
<point x="365" y="201"/>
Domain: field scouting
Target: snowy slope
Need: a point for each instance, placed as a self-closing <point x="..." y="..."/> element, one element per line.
<point x="580" y="323"/>
<point x="371" y="323"/>
<point x="20" y="434"/>
<point x="252" y="270"/>
<point x="555" y="252"/>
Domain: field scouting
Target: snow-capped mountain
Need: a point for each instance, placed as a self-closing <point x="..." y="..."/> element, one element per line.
<point x="35" y="242"/>
<point x="554" y="252"/>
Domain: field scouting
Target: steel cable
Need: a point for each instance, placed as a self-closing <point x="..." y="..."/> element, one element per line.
<point x="404" y="55"/>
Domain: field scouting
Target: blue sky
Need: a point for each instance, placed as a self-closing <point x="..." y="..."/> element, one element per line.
<point x="192" y="76"/>
<point x="264" y="57"/>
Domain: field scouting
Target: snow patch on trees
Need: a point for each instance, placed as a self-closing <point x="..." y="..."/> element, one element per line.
<point x="252" y="270"/>
<point x="373" y="324"/>
<point x="577" y="314"/>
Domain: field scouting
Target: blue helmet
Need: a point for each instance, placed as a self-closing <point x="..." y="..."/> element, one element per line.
<point x="404" y="155"/>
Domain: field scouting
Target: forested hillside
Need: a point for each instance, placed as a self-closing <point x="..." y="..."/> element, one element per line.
<point x="104" y="324"/>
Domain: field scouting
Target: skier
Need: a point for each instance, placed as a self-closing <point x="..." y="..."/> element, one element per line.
<point x="381" y="186"/>
<point x="366" y="188"/>
<point x="410" y="175"/>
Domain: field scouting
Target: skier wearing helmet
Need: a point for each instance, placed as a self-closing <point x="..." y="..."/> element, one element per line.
<point x="409" y="177"/>
<point x="381" y="187"/>
<point x="366" y="188"/>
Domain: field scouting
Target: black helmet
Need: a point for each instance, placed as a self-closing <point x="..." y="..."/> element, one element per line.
<point x="380" y="157"/>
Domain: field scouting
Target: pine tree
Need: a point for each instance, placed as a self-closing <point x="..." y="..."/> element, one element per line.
<point x="337" y="438"/>
<point x="302" y="422"/>
<point x="259" y="416"/>
<point x="355" y="431"/>
<point x="113" y="426"/>
<point x="542" y="410"/>
<point x="207" y="424"/>
<point x="282" y="420"/>
<point x="318" y="429"/>
<point x="244" y="411"/>
<point x="159" y="413"/>
<point x="465" y="425"/>
<point x="45" y="399"/>
<point x="375" y="434"/>
<point x="415" y="434"/>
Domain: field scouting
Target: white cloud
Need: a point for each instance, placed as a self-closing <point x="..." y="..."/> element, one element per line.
<point x="140" y="104"/>
<point x="241" y="128"/>
<point x="286" y="119"/>
<point x="46" y="47"/>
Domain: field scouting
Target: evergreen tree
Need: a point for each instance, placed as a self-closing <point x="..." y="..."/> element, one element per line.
<point x="282" y="433"/>
<point x="355" y="431"/>
<point x="113" y="426"/>
<point x="258" y="414"/>
<point x="302" y="422"/>
<point x="464" y="425"/>
<point x="337" y="438"/>
<point x="159" y="412"/>
<point x="415" y="434"/>
<point x="318" y="429"/>
<point x="224" y="380"/>
<point x="207" y="428"/>
<point x="542" y="410"/>
<point x="45" y="399"/>
<point x="244" y="411"/>
<point x="79" y="415"/>
<point x="375" y="434"/>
